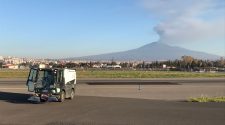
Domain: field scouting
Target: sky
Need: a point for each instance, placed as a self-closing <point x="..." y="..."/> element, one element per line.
<point x="73" y="28"/>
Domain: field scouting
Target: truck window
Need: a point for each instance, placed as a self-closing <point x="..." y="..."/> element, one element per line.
<point x="59" y="76"/>
<point x="40" y="76"/>
<point x="45" y="77"/>
<point x="32" y="75"/>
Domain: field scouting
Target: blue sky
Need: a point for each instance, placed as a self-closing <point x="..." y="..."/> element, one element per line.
<point x="70" y="28"/>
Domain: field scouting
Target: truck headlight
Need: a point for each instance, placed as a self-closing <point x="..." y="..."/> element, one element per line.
<point x="57" y="90"/>
<point x="53" y="91"/>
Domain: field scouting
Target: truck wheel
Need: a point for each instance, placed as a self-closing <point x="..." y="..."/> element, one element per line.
<point x="62" y="96"/>
<point x="41" y="99"/>
<point x="72" y="94"/>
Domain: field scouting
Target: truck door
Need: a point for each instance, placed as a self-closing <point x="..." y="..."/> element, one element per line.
<point x="31" y="79"/>
<point x="68" y="89"/>
<point x="68" y="82"/>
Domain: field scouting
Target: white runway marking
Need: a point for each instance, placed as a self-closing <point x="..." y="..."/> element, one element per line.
<point x="12" y="88"/>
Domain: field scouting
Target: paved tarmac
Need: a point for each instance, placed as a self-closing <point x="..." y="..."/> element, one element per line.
<point x="157" y="89"/>
<point x="117" y="102"/>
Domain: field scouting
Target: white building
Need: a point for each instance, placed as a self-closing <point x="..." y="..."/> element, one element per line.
<point x="13" y="67"/>
<point x="114" y="66"/>
<point x="13" y="60"/>
<point x="1" y="58"/>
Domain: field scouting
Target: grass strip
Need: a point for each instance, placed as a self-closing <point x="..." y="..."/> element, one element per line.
<point x="207" y="99"/>
<point x="120" y="74"/>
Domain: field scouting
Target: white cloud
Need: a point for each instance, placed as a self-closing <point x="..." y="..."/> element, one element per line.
<point x="188" y="20"/>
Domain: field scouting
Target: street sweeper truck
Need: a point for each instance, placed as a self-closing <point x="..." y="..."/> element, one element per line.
<point x="49" y="84"/>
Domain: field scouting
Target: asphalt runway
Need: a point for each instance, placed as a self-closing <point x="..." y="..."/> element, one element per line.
<point x="117" y="102"/>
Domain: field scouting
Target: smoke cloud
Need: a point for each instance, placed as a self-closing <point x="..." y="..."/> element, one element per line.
<point x="188" y="20"/>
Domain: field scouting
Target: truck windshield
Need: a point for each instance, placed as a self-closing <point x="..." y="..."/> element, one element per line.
<point x="45" y="77"/>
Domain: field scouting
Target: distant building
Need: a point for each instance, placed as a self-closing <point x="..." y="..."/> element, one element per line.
<point x="13" y="60"/>
<point x="96" y="66"/>
<point x="1" y="58"/>
<point x="113" y="66"/>
<point x="10" y="66"/>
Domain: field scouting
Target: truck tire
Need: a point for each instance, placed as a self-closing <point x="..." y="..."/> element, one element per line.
<point x="62" y="96"/>
<point x="72" y="94"/>
<point x="41" y="99"/>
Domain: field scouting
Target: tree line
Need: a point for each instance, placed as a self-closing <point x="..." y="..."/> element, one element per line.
<point x="186" y="63"/>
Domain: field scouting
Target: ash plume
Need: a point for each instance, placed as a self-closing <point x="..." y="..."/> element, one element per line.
<point x="188" y="21"/>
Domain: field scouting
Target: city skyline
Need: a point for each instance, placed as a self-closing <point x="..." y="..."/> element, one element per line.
<point x="62" y="29"/>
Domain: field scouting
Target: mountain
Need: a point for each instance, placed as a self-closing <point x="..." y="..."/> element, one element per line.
<point x="150" y="52"/>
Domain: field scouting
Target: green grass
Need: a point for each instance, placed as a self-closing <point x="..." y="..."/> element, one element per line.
<point x="145" y="74"/>
<point x="120" y="74"/>
<point x="208" y="99"/>
<point x="14" y="73"/>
